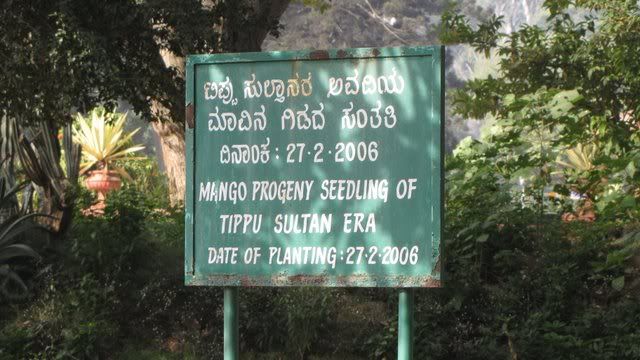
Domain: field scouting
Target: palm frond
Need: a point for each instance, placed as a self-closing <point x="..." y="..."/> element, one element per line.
<point x="579" y="158"/>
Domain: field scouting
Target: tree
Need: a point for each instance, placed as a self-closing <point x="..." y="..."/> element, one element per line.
<point x="560" y="90"/>
<point x="240" y="26"/>
<point x="65" y="56"/>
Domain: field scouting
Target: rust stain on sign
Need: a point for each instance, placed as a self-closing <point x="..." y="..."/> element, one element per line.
<point x="284" y="279"/>
<point x="189" y="115"/>
<point x="307" y="279"/>
<point x="319" y="55"/>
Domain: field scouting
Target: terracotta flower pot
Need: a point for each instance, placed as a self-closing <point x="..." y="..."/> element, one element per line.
<point x="585" y="212"/>
<point x="102" y="181"/>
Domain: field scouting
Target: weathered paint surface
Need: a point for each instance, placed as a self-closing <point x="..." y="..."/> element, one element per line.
<point x="412" y="149"/>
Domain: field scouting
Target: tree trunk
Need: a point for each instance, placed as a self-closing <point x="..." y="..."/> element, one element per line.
<point x="173" y="157"/>
<point x="170" y="122"/>
<point x="169" y="127"/>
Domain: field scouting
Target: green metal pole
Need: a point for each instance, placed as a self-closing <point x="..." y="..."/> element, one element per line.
<point x="405" y="324"/>
<point x="231" y="332"/>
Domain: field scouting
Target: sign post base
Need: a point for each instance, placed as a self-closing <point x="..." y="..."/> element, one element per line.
<point x="231" y="330"/>
<point x="405" y="324"/>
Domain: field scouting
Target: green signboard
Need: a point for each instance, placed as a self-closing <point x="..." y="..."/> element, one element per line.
<point x="315" y="168"/>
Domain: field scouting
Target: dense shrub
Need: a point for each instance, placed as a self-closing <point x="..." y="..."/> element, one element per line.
<point x="521" y="285"/>
<point x="91" y="279"/>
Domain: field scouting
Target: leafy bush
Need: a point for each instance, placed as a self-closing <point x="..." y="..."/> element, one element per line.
<point x="87" y="294"/>
<point x="290" y="319"/>
<point x="64" y="322"/>
<point x="149" y="180"/>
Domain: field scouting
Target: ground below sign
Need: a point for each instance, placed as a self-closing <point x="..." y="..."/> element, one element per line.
<point x="315" y="168"/>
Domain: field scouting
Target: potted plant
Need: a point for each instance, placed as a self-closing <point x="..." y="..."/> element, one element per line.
<point x="104" y="141"/>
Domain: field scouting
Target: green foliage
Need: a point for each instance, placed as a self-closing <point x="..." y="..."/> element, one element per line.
<point x="307" y="314"/>
<point x="320" y="5"/>
<point x="97" y="279"/>
<point x="456" y="29"/>
<point x="85" y="46"/>
<point x="36" y="151"/>
<point x="561" y="90"/>
<point x="154" y="354"/>
<point x="521" y="283"/>
<point x="68" y="320"/>
<point x="293" y="320"/>
<point x="62" y="55"/>
<point x="14" y="246"/>
<point x="148" y="179"/>
<point x="73" y="316"/>
<point x="526" y="266"/>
